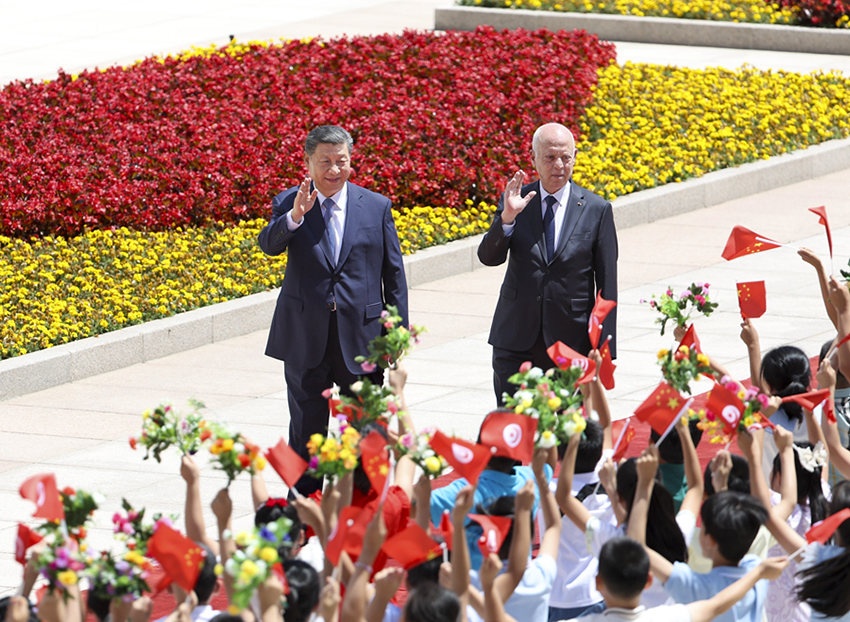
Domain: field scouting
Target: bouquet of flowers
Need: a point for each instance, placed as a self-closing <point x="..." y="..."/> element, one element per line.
<point x="336" y="454"/>
<point x="751" y="419"/>
<point x="163" y="427"/>
<point x="370" y="403"/>
<point x="552" y="398"/>
<point x="61" y="562"/>
<point x="131" y="529"/>
<point x="233" y="454"/>
<point x="680" y="309"/>
<point x="125" y="577"/>
<point x="255" y="558"/>
<point x="388" y="349"/>
<point x="418" y="448"/>
<point x="79" y="507"/>
<point x="681" y="366"/>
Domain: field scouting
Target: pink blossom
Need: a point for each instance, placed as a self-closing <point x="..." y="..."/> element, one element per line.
<point x="686" y="294"/>
<point x="392" y="407"/>
<point x="525" y="367"/>
<point x="699" y="284"/>
<point x="128" y="529"/>
<point x="327" y="393"/>
<point x="669" y="292"/>
<point x="543" y="386"/>
<point x="751" y="393"/>
<point x="314" y="463"/>
<point x="641" y="301"/>
<point x="408" y="440"/>
<point x="710" y="415"/>
<point x="731" y="386"/>
<point x="763" y="400"/>
<point x="388" y="324"/>
<point x="385" y="314"/>
<point x="700" y="299"/>
<point x="560" y="360"/>
<point x="705" y="285"/>
<point x="368" y="366"/>
<point x="652" y="303"/>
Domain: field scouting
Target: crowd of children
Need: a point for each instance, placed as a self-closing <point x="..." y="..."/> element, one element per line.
<point x="571" y="534"/>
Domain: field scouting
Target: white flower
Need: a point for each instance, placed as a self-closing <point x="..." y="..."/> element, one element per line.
<point x="535" y="373"/>
<point x="524" y="396"/>
<point x="547" y="440"/>
<point x="357" y="386"/>
<point x="569" y="427"/>
<point x="550" y="372"/>
<point x="594" y="416"/>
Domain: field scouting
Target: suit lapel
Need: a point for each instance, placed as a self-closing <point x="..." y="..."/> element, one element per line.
<point x="575" y="208"/>
<point x="353" y="212"/>
<point x="316" y="222"/>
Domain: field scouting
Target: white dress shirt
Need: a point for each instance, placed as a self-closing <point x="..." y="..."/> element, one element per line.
<point x="563" y="197"/>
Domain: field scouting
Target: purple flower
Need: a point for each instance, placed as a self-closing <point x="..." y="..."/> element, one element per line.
<point x="686" y="294"/>
<point x="641" y="301"/>
<point x="267" y="534"/>
<point x="368" y="366"/>
<point x="122" y="566"/>
<point x="314" y="463"/>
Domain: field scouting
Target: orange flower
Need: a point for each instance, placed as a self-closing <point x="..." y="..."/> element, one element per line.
<point x="68" y="491"/>
<point x="204" y="435"/>
<point x="245" y="460"/>
<point x="132" y="442"/>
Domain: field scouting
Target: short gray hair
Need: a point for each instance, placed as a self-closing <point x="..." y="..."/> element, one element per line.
<point x="330" y="134"/>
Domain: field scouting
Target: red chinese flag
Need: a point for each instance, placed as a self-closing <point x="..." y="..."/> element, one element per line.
<point x="25" y="539"/>
<point x="617" y="432"/>
<point x="468" y="459"/>
<point x="823" y="530"/>
<point x="691" y="340"/>
<point x="742" y="242"/>
<point x="726" y="406"/>
<point x="42" y="490"/>
<point x="823" y="220"/>
<point x="412" y="546"/>
<point x="447" y="529"/>
<point x="661" y="408"/>
<point x="606" y="370"/>
<point x="180" y="558"/>
<point x="286" y="461"/>
<point x="375" y="459"/>
<point x="495" y="528"/>
<point x="808" y="400"/>
<point x="348" y="534"/>
<point x="752" y="299"/>
<point x="600" y="311"/>
<point x="565" y="357"/>
<point x="509" y="434"/>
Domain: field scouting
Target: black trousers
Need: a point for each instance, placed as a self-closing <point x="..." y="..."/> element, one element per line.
<point x="507" y="362"/>
<point x="308" y="410"/>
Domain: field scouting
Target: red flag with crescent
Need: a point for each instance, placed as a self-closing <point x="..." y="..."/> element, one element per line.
<point x="565" y="357"/>
<point x="468" y="459"/>
<point x="600" y="311"/>
<point x="42" y="490"/>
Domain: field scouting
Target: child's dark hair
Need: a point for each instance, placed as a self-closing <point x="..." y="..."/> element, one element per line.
<point x="426" y="571"/>
<point x="361" y="480"/>
<point x="224" y="616"/>
<point x="304" y="590"/>
<point x="503" y="506"/>
<point x="809" y="489"/>
<point x="786" y="369"/>
<point x="97" y="605"/>
<point x="623" y="567"/>
<point x="739" y="477"/>
<point x="663" y="534"/>
<point x="826" y="347"/>
<point x="207" y="578"/>
<point x="430" y="602"/>
<point x="274" y="509"/>
<point x="589" y="448"/>
<point x="733" y="519"/>
<point x="824" y="585"/>
<point x="670" y="451"/>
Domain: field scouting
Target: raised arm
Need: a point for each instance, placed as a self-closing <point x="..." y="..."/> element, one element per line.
<point x="569" y="505"/>
<point x="195" y="527"/>
<point x="520" y="542"/>
<point x="647" y="467"/>
<point x="551" y="538"/>
<point x="839" y="296"/>
<point x="750" y="336"/>
<point x="705" y="610"/>
<point x="600" y="402"/>
<point x="839" y="456"/>
<point x="494" y="607"/>
<point x="460" y="550"/>
<point x="693" y="473"/>
<point x="810" y="258"/>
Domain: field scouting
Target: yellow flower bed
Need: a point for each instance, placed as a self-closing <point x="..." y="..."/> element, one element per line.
<point x="651" y="125"/>
<point x="756" y="11"/>
<point x="54" y="290"/>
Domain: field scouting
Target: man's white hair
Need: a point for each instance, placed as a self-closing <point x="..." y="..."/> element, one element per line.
<point x="535" y="140"/>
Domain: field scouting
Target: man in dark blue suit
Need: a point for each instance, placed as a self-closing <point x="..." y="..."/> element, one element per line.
<point x="344" y="265"/>
<point x="563" y="251"/>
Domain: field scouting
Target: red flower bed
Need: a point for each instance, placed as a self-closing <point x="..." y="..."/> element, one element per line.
<point x="436" y="120"/>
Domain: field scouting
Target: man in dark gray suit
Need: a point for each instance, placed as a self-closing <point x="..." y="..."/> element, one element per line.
<point x="344" y="265"/>
<point x="563" y="250"/>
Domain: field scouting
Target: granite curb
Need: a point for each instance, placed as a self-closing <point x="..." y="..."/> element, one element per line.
<point x="137" y="344"/>
<point x="664" y="30"/>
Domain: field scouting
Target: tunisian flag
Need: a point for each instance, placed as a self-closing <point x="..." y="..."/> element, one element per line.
<point x="42" y="490"/>
<point x="600" y="311"/>
<point x="565" y="357"/>
<point x="725" y="405"/>
<point x="25" y="539"/>
<point x="742" y="242"/>
<point x="821" y="211"/>
<point x="288" y="464"/>
<point x="468" y="459"/>
<point x="752" y="299"/>
<point x="510" y="434"/>
<point x="495" y="528"/>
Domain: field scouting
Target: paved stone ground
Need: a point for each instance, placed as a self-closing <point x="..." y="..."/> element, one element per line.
<point x="79" y="430"/>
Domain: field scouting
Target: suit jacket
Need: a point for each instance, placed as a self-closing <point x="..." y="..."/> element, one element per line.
<point x="559" y="294"/>
<point x="368" y="275"/>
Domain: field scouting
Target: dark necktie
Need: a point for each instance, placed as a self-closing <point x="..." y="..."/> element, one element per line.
<point x="549" y="226"/>
<point x="329" y="206"/>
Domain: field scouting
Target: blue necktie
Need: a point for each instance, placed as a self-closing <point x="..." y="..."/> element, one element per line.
<point x="549" y="226"/>
<point x="329" y="206"/>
